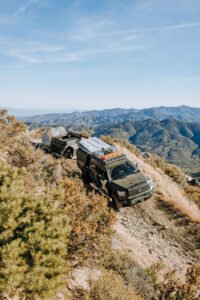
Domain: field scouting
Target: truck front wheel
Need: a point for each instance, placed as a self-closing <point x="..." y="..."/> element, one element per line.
<point x="116" y="203"/>
<point x="85" y="178"/>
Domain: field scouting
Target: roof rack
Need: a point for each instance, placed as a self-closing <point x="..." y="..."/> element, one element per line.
<point x="96" y="146"/>
<point x="103" y="151"/>
<point x="115" y="158"/>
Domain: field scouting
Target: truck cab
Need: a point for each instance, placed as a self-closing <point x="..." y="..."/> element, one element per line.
<point x="112" y="173"/>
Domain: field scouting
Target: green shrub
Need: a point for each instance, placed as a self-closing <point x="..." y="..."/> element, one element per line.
<point x="132" y="274"/>
<point x="175" y="289"/>
<point x="110" y="286"/>
<point x="33" y="238"/>
<point x="90" y="220"/>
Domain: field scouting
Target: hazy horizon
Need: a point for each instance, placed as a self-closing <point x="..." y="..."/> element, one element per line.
<point x="99" y="54"/>
<point x="70" y="109"/>
<point x="23" y="112"/>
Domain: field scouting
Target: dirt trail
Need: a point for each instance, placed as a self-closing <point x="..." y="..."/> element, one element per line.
<point x="170" y="191"/>
<point x="150" y="242"/>
<point x="152" y="234"/>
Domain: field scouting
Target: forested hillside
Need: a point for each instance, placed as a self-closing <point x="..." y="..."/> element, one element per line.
<point x="176" y="141"/>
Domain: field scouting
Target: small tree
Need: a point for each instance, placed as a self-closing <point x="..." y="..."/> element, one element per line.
<point x="34" y="234"/>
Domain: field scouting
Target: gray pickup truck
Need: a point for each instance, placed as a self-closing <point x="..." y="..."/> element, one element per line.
<point x="112" y="173"/>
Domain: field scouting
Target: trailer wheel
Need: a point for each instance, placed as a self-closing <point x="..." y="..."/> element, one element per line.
<point x="46" y="149"/>
<point x="69" y="152"/>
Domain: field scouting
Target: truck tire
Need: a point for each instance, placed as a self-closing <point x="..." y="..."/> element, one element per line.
<point x="117" y="205"/>
<point x="85" y="177"/>
<point x="68" y="153"/>
<point x="193" y="181"/>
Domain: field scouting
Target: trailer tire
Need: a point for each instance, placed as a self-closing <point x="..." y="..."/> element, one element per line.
<point x="46" y="149"/>
<point x="68" y="153"/>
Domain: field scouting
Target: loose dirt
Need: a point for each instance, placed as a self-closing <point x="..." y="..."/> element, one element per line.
<point x="165" y="186"/>
<point x="159" y="231"/>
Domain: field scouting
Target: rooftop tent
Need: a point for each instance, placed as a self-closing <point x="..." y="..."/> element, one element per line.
<point x="95" y="145"/>
<point x="52" y="132"/>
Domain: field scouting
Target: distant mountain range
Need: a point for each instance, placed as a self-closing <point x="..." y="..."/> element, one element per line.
<point x="184" y="113"/>
<point x="21" y="112"/>
<point x="171" y="132"/>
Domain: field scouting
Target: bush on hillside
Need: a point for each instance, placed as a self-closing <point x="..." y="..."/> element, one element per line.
<point x="193" y="192"/>
<point x="33" y="238"/>
<point x="110" y="286"/>
<point x="48" y="221"/>
<point x="171" y="288"/>
<point x="123" y="143"/>
<point x="171" y="170"/>
<point x="90" y="221"/>
<point x="132" y="274"/>
<point x="9" y="127"/>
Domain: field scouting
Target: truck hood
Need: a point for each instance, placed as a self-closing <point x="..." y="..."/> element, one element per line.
<point x="131" y="180"/>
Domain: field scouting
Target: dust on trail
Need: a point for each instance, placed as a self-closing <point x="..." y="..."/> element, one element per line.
<point x="150" y="243"/>
<point x="170" y="191"/>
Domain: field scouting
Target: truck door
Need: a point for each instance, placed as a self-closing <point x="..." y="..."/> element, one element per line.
<point x="98" y="175"/>
<point x="103" y="180"/>
<point x="93" y="171"/>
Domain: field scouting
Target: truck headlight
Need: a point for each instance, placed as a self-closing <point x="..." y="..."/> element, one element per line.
<point x="121" y="193"/>
<point x="150" y="183"/>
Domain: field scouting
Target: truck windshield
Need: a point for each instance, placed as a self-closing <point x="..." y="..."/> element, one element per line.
<point x="123" y="170"/>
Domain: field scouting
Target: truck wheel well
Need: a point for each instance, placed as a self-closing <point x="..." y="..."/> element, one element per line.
<point x="69" y="151"/>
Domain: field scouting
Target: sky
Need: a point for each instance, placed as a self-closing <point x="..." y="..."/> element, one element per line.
<point x="95" y="54"/>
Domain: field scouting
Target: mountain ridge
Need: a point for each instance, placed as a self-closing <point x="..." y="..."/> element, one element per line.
<point x="171" y="132"/>
<point x="182" y="112"/>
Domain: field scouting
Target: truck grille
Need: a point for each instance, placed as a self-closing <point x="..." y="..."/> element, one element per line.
<point x="138" y="190"/>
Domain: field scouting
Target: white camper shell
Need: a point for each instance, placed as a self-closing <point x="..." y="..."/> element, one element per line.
<point x="52" y="132"/>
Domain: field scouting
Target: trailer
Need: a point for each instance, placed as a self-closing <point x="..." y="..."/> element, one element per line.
<point x="59" y="142"/>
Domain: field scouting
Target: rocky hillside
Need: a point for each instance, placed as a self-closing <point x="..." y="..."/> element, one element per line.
<point x="60" y="240"/>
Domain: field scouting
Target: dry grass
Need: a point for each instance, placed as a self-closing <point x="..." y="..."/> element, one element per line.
<point x="173" y="289"/>
<point x="110" y="286"/>
<point x="88" y="217"/>
<point x="171" y="170"/>
<point x="122" y="143"/>
<point x="86" y="214"/>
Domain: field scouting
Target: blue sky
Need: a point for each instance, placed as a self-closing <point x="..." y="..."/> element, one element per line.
<point x="86" y="54"/>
